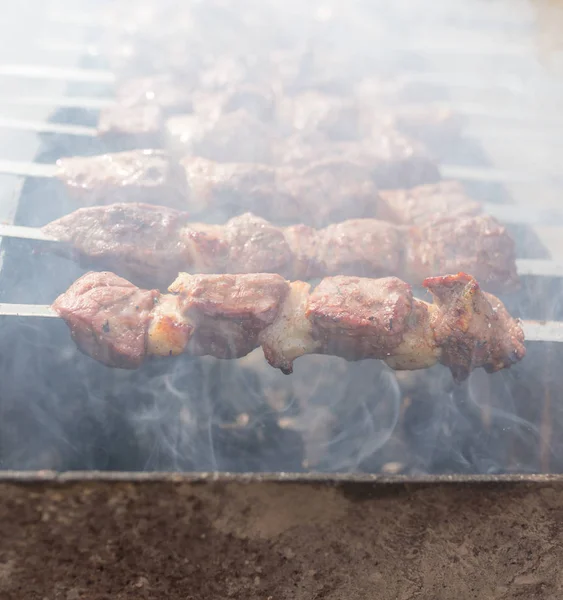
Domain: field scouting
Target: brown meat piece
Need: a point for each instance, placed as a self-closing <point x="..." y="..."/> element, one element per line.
<point x="334" y="116"/>
<point x="131" y="127"/>
<point x="108" y="318"/>
<point x="477" y="245"/>
<point x="361" y="247"/>
<point x="232" y="187"/>
<point x="473" y="328"/>
<point x="171" y="95"/>
<point x="135" y="176"/>
<point x="438" y="128"/>
<point x="151" y="244"/>
<point x="229" y="311"/>
<point x="424" y="203"/>
<point x="142" y="242"/>
<point x="231" y="137"/>
<point x="326" y="191"/>
<point x="258" y="101"/>
<point x="256" y="246"/>
<point x="357" y="318"/>
<point x="394" y="160"/>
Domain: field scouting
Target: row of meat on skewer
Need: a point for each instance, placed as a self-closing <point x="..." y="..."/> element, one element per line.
<point x="314" y="184"/>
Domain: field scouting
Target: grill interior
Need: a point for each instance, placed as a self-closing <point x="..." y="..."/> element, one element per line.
<point x="61" y="410"/>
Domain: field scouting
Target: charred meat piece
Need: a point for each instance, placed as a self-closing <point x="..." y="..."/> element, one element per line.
<point x="150" y="176"/>
<point x="129" y="127"/>
<point x="227" y="316"/>
<point x="425" y="203"/>
<point x="472" y="328"/>
<point x="151" y="244"/>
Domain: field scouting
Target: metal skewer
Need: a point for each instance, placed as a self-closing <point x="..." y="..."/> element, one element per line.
<point x="512" y="84"/>
<point x="534" y="331"/>
<point x="525" y="267"/>
<point x="505" y="213"/>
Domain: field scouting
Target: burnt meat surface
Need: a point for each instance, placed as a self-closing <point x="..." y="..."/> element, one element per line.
<point x="473" y="328"/>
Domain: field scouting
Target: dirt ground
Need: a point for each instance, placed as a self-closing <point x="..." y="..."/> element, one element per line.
<point x="189" y="540"/>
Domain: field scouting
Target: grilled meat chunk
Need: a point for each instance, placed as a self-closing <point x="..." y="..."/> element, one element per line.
<point x="140" y="241"/>
<point x="228" y="312"/>
<point x="227" y="316"/>
<point x="108" y="318"/>
<point x="358" y="317"/>
<point x="231" y="137"/>
<point x="135" y="176"/>
<point x="324" y="192"/>
<point x="129" y="127"/>
<point x="395" y="161"/>
<point x="472" y="328"/>
<point x="257" y="101"/>
<point x="477" y="245"/>
<point x="151" y="244"/>
<point x="172" y="95"/>
<point x="425" y="203"/>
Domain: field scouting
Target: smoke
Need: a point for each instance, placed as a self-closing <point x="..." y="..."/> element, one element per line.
<point x="61" y="410"/>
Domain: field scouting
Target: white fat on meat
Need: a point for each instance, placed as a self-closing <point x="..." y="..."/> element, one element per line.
<point x="418" y="350"/>
<point x="170" y="330"/>
<point x="290" y="335"/>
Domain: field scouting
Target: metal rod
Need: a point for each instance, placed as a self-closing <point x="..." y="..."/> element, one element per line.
<point x="25" y="233"/>
<point x="534" y="331"/>
<point x="27" y="310"/>
<point x="509" y="214"/>
<point x="58" y="73"/>
<point x="543" y="331"/>
<point x="27" y="169"/>
<point x="510" y="83"/>
<point x="45" y="127"/>
<point x="506" y="213"/>
<point x="492" y="175"/>
<point x="62" y="101"/>
<point x="526" y="267"/>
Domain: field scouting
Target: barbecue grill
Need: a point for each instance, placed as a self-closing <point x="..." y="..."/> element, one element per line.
<point x="205" y="478"/>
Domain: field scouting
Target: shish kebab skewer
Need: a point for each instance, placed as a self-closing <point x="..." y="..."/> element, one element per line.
<point x="91" y="250"/>
<point x="228" y="316"/>
<point x="328" y="190"/>
<point x="150" y="245"/>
